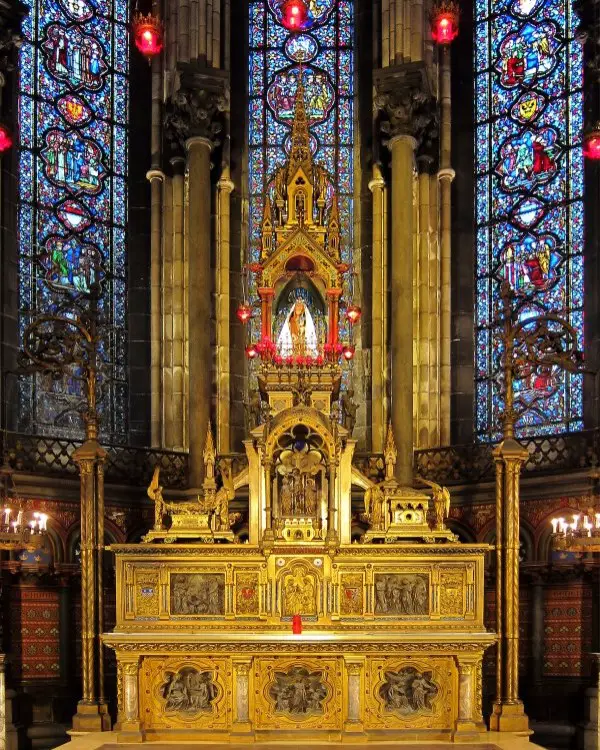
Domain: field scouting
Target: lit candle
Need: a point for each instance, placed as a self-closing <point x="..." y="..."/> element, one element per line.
<point x="32" y="526"/>
<point x="6" y="516"/>
<point x="554" y="523"/>
<point x="562" y="525"/>
<point x="587" y="525"/>
<point x="14" y="526"/>
<point x="598" y="520"/>
<point x="43" y="521"/>
<point x="20" y="518"/>
<point x="575" y="523"/>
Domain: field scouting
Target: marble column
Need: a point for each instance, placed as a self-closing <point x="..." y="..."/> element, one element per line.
<point x="241" y="715"/>
<point x="179" y="384"/>
<point x="401" y="289"/>
<point x="130" y="726"/>
<point x="467" y="721"/>
<point x="198" y="150"/>
<point x="353" y="722"/>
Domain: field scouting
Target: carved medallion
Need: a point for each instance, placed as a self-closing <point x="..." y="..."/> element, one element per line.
<point x="408" y="691"/>
<point x="189" y="691"/>
<point x="298" y="692"/>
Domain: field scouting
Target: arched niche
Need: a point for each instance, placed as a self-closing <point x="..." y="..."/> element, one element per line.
<point x="303" y="288"/>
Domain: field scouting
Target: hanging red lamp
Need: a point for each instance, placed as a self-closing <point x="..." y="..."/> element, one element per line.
<point x="252" y="351"/>
<point x="6" y="139"/>
<point x="348" y="352"/>
<point x="353" y="313"/>
<point x="444" y="22"/>
<point x="147" y="34"/>
<point x="591" y="143"/>
<point x="294" y="14"/>
<point x="244" y="313"/>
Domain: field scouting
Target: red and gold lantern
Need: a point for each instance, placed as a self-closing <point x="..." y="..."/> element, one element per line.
<point x="147" y="34"/>
<point x="244" y="313"/>
<point x="444" y="22"/>
<point x="591" y="143"/>
<point x="353" y="313"/>
<point x="294" y="15"/>
<point x="6" y="139"/>
<point x="348" y="352"/>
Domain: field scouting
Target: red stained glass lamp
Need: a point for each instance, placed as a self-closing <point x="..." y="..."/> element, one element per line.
<point x="591" y="143"/>
<point x="6" y="139"/>
<point x="252" y="351"/>
<point x="147" y="34"/>
<point x="348" y="352"/>
<point x="353" y="313"/>
<point x="444" y="22"/>
<point x="294" y="14"/>
<point x="244" y="313"/>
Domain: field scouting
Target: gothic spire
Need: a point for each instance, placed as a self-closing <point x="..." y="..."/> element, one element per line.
<point x="300" y="154"/>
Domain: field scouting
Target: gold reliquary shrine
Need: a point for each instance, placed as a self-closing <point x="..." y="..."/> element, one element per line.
<point x="294" y="594"/>
<point x="248" y="625"/>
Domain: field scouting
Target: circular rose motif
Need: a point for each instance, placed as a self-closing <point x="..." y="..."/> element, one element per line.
<point x="301" y="47"/>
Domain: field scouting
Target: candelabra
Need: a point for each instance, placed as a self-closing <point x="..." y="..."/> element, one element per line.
<point x="532" y="345"/>
<point x="19" y="529"/>
<point x="69" y="343"/>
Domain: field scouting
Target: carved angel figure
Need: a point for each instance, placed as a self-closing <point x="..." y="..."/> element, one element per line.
<point x="155" y="494"/>
<point x="441" y="503"/>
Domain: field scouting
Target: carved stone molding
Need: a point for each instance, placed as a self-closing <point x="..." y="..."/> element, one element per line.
<point x="406" y="106"/>
<point x="197" y="108"/>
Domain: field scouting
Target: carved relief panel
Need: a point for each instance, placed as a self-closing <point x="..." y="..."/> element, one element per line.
<point x="301" y="694"/>
<point x="299" y="591"/>
<point x="419" y="693"/>
<point x="185" y="693"/>
<point x="197" y="594"/>
<point x="402" y="594"/>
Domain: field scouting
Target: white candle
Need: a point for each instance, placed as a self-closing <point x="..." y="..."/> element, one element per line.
<point x="554" y="523"/>
<point x="575" y="523"/>
<point x="43" y="521"/>
<point x="6" y="516"/>
<point x="14" y="525"/>
<point x="19" y="518"/>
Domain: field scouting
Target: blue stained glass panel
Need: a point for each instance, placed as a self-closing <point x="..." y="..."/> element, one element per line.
<point x="529" y="208"/>
<point x="73" y="109"/>
<point x="327" y="56"/>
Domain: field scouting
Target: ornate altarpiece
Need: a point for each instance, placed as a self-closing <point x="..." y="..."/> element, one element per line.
<point x="392" y="623"/>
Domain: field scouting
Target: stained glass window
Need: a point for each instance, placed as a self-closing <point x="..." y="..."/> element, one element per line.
<point x="73" y="103"/>
<point x="321" y="51"/>
<point x="529" y="196"/>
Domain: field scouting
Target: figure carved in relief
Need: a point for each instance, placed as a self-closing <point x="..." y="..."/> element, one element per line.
<point x="408" y="691"/>
<point x="299" y="594"/>
<point x="298" y="692"/>
<point x="189" y="691"/>
<point x="399" y="594"/>
<point x="375" y="507"/>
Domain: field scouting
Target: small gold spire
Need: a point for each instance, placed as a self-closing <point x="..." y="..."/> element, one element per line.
<point x="390" y="453"/>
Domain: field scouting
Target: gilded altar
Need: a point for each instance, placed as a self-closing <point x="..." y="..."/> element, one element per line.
<point x="211" y="603"/>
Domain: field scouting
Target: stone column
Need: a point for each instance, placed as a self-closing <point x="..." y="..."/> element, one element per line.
<point x="155" y="177"/>
<point x="130" y="728"/>
<point x="224" y="189"/>
<point x="180" y="407"/>
<point x="378" y="316"/>
<point x="199" y="302"/>
<point x="268" y="534"/>
<point x="466" y="724"/>
<point x="406" y="110"/>
<point x="401" y="289"/>
<point x="241" y="716"/>
<point x="193" y="120"/>
<point x="353" y="722"/>
<point x="445" y="176"/>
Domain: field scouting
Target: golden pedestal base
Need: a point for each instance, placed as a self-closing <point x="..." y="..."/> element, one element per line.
<point x="91" y="718"/>
<point x="510" y="717"/>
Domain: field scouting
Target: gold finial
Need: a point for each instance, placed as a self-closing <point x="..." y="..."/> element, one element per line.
<point x="390" y="453"/>
<point x="209" y="454"/>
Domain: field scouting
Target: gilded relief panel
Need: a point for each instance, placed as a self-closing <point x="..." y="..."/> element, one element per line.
<point x="147" y="592"/>
<point x="409" y="693"/>
<point x="299" y="592"/>
<point x="185" y="693"/>
<point x="452" y="592"/>
<point x="351" y="594"/>
<point x="197" y="593"/>
<point x="298" y="693"/>
<point x="402" y="594"/>
<point x="246" y="592"/>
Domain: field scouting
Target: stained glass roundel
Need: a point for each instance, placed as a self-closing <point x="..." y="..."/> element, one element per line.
<point x="316" y="12"/>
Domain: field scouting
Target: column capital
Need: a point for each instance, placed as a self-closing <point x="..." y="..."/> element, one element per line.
<point x="446" y="174"/>
<point x="402" y="138"/>
<point x="198" y="107"/>
<point x="405" y="102"/>
<point x="377" y="183"/>
<point x="226" y="185"/>
<point x="155" y="174"/>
